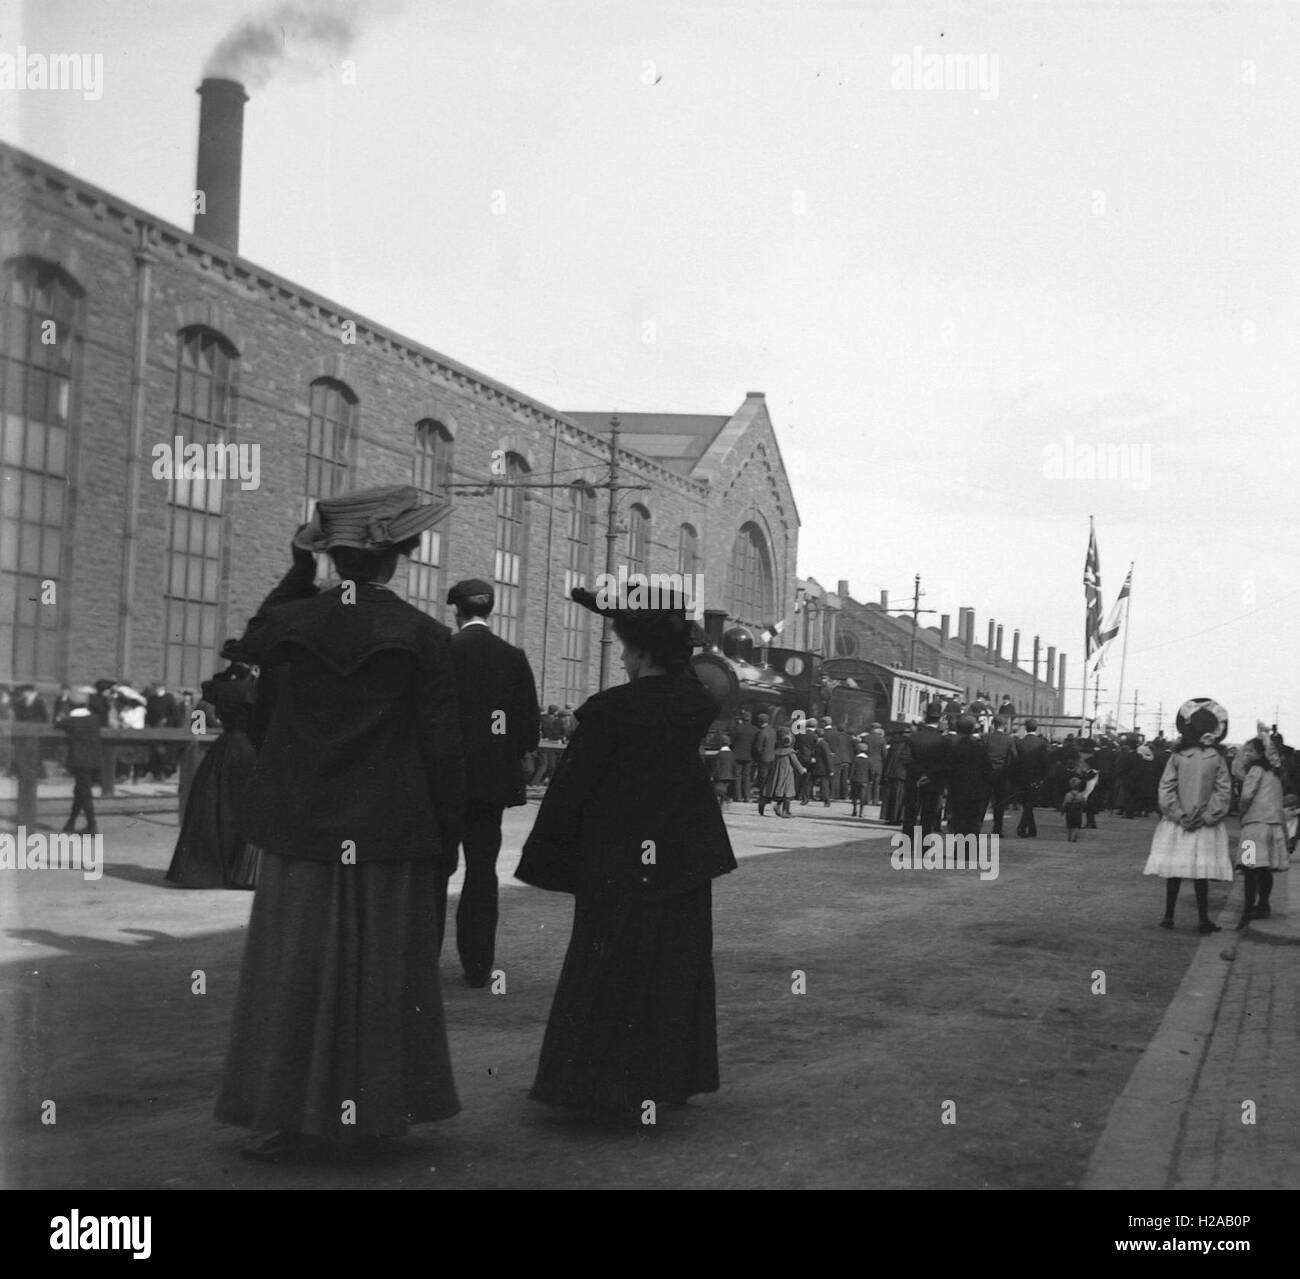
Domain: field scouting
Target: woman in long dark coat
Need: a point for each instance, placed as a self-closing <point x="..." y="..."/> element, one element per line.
<point x="630" y="827"/>
<point x="359" y="786"/>
<point x="212" y="849"/>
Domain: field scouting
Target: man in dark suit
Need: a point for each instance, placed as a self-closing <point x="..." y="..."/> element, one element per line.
<point x="764" y="753"/>
<point x="875" y="762"/>
<point x="500" y="723"/>
<point x="161" y="711"/>
<point x="929" y="755"/>
<point x="1031" y="770"/>
<point x="743" y="733"/>
<point x="970" y="779"/>
<point x="1001" y="749"/>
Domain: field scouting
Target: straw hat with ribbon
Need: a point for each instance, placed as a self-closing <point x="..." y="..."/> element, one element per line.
<point x="374" y="519"/>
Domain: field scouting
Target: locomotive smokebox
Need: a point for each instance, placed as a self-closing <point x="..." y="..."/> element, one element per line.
<point x="221" y="150"/>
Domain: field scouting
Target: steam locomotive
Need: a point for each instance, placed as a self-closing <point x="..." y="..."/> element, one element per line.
<point x="783" y="682"/>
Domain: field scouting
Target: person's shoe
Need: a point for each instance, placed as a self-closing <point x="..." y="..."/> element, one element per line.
<point x="785" y="814"/>
<point x="70" y="829"/>
<point x="1205" y="927"/>
<point x="477" y="982"/>
<point x="1246" y="917"/>
<point x="283" y="1148"/>
<point x="91" y="830"/>
<point x="1166" y="923"/>
<point x="1262" y="912"/>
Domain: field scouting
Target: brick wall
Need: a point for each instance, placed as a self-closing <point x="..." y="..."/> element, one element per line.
<point x="286" y="338"/>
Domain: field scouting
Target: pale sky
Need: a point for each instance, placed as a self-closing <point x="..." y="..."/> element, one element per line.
<point x="950" y="295"/>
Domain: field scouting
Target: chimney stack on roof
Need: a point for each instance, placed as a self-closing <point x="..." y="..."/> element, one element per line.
<point x="220" y="161"/>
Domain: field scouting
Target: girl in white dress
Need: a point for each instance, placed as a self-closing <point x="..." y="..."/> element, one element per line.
<point x="1195" y="793"/>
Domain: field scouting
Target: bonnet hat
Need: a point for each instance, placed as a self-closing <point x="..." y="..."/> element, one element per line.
<point x="374" y="519"/>
<point x="1203" y="719"/>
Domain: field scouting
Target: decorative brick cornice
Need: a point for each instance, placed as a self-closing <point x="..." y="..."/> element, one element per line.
<point x="232" y="271"/>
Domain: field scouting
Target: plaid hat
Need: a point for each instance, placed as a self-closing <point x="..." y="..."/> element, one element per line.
<point x="1203" y="717"/>
<point x="374" y="519"/>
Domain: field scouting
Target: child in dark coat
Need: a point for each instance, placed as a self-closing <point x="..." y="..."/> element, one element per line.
<point x="724" y="772"/>
<point x="1073" y="806"/>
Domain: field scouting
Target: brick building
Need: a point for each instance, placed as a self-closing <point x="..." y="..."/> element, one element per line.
<point x="122" y="334"/>
<point x="870" y="632"/>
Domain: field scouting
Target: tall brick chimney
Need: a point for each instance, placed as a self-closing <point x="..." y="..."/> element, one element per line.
<point x="1060" y="674"/>
<point x="988" y="648"/>
<point x="969" y="636"/>
<point x="221" y="150"/>
<point x="842" y="589"/>
<point x="997" y="648"/>
<point x="1050" y="678"/>
<point x="945" y="621"/>
<point x="1015" y="648"/>
<point x="1036" y="652"/>
<point x="884" y="600"/>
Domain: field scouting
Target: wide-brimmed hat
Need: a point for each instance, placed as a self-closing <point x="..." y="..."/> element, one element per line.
<point x="374" y="519"/>
<point x="624" y="608"/>
<point x="1203" y="717"/>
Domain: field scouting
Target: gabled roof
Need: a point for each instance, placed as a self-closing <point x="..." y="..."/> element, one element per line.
<point x="674" y="440"/>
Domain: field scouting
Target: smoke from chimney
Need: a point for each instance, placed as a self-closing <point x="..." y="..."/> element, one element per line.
<point x="294" y="38"/>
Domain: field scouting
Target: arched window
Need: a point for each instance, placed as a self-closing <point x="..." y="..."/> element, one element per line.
<point x="511" y="538"/>
<point x="431" y="474"/>
<point x="751" y="594"/>
<point x="638" y="539"/>
<point x="846" y="644"/>
<point x="688" y="550"/>
<point x="204" y="413"/>
<point x="331" y="422"/>
<point x="38" y="326"/>
<point x="577" y="620"/>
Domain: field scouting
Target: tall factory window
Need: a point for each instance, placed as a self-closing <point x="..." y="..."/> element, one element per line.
<point x="431" y="474"/>
<point x="751" y="595"/>
<point x="37" y="326"/>
<point x="577" y="620"/>
<point x="688" y="550"/>
<point x="331" y="422"/>
<point x="204" y="413"/>
<point x="638" y="539"/>
<point x="511" y="535"/>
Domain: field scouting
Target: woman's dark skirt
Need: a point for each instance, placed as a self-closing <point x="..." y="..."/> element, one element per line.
<point x="339" y="1002"/>
<point x="211" y="851"/>
<point x="634" y="1017"/>
<point x="891" y="800"/>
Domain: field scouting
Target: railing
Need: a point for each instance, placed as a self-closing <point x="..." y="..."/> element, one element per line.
<point x="111" y="741"/>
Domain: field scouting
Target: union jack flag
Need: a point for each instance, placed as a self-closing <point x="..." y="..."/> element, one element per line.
<point x="1092" y="594"/>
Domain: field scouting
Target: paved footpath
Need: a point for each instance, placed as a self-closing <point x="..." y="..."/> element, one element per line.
<point x="1214" y="1103"/>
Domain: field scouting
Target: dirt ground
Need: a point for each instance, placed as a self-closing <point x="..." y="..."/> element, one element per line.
<point x="922" y="988"/>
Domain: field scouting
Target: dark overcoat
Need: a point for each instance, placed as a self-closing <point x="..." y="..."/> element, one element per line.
<point x="495" y="691"/>
<point x="630" y="812"/>
<point x="357" y="730"/>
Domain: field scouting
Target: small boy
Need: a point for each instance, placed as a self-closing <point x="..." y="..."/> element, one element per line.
<point x="1073" y="807"/>
<point x="724" y="773"/>
<point x="859" y="780"/>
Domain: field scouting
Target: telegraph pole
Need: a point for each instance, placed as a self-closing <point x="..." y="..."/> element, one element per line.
<point x="611" y="540"/>
<point x="916" y="610"/>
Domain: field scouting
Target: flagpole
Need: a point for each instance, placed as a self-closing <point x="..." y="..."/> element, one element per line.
<point x="1128" y="610"/>
<point x="1087" y="637"/>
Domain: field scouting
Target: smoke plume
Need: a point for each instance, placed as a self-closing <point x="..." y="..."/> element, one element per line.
<point x="293" y="38"/>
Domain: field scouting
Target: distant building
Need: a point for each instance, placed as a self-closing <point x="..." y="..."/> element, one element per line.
<point x="834" y="624"/>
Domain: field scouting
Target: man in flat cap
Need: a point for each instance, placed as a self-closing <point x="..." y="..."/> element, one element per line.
<point x="500" y="723"/>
